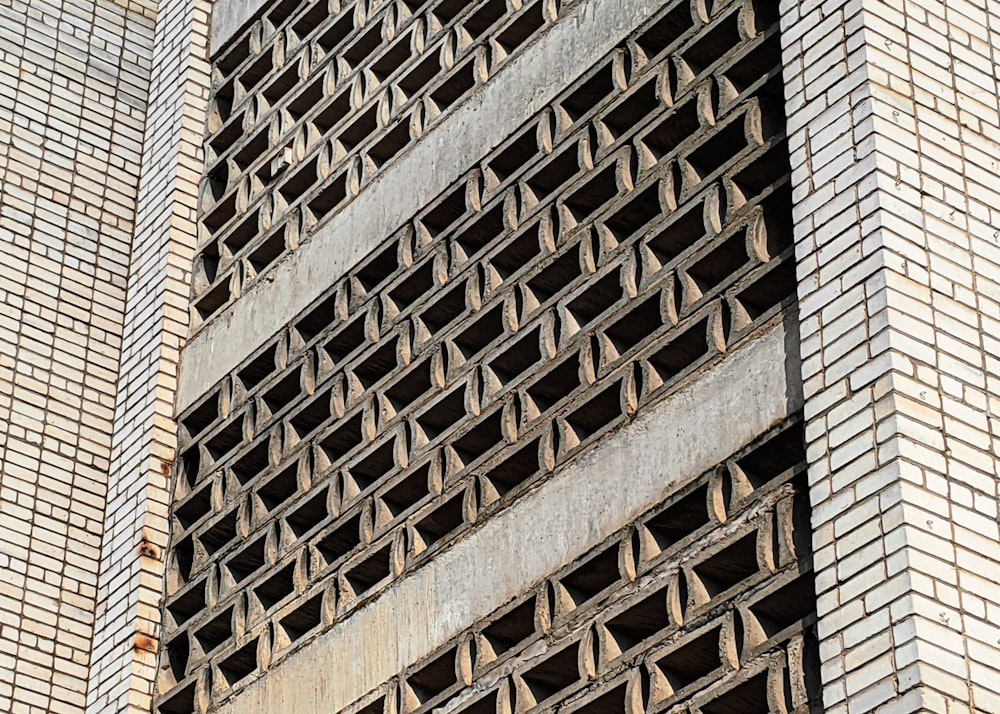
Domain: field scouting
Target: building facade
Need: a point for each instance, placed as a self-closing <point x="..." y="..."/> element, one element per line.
<point x="501" y="356"/>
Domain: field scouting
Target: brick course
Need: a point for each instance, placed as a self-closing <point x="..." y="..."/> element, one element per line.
<point x="72" y="111"/>
<point x="123" y="661"/>
<point x="108" y="213"/>
<point x="892" y="129"/>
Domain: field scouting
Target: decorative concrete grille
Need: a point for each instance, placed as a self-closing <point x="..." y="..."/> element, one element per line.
<point x="624" y="239"/>
<point x="315" y="99"/>
<point x="704" y="605"/>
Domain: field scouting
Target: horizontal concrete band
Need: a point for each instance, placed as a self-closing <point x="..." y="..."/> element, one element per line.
<point x="231" y="16"/>
<point x="663" y="449"/>
<point x="533" y="79"/>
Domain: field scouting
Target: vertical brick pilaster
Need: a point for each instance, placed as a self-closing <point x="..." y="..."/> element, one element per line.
<point x="123" y="661"/>
<point x="893" y="119"/>
<point x="73" y="81"/>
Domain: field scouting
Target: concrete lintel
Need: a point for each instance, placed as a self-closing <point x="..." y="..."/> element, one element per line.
<point x="661" y="451"/>
<point x="589" y="30"/>
<point x="229" y="17"/>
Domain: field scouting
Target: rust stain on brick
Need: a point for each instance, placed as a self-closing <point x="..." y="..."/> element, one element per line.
<point x="145" y="643"/>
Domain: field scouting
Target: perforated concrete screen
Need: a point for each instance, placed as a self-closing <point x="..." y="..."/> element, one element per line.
<point x="503" y="356"/>
<point x="315" y="99"/>
<point x="618" y="243"/>
<point x="706" y="602"/>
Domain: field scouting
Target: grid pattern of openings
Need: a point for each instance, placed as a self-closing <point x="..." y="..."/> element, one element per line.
<point x="315" y="99"/>
<point x="626" y="237"/>
<point x="704" y="605"/>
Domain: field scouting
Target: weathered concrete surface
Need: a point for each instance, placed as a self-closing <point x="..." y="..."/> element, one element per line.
<point x="731" y="404"/>
<point x="229" y="17"/>
<point x="585" y="34"/>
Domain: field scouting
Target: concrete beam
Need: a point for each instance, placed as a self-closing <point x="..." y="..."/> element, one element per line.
<point x="643" y="463"/>
<point x="229" y="17"/>
<point x="588" y="31"/>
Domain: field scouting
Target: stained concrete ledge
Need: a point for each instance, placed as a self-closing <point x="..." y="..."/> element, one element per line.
<point x="588" y="31"/>
<point x="229" y="17"/>
<point x="679" y="439"/>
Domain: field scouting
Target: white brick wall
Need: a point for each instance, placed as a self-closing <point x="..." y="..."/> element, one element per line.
<point x="73" y="79"/>
<point x="894" y="136"/>
<point x="123" y="664"/>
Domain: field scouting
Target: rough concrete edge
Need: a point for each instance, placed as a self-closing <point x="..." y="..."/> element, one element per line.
<point x="229" y="17"/>
<point x="682" y="437"/>
<point x="588" y="32"/>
